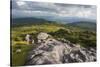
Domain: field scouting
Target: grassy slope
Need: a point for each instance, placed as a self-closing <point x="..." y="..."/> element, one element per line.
<point x="85" y="25"/>
<point x="18" y="35"/>
<point x="19" y="59"/>
<point x="74" y="34"/>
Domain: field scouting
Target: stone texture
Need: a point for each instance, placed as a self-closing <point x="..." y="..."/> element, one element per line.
<point x="42" y="36"/>
<point x="53" y="51"/>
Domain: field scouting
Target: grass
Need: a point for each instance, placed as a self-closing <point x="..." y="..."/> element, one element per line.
<point x="73" y="34"/>
<point x="18" y="40"/>
<point x="19" y="59"/>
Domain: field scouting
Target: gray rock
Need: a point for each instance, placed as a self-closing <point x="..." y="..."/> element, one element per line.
<point x="56" y="52"/>
<point x="42" y="35"/>
<point x="18" y="50"/>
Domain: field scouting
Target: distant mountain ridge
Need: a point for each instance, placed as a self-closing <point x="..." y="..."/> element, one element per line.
<point x="84" y="24"/>
<point x="29" y="21"/>
<point x="60" y="20"/>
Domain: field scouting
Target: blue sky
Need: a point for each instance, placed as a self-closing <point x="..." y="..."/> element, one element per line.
<point x="51" y="10"/>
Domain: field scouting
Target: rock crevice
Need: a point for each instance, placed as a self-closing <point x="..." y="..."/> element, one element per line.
<point x="52" y="51"/>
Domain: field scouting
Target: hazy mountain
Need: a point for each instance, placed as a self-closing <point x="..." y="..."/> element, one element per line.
<point x="62" y="20"/>
<point x="87" y="24"/>
<point x="28" y="21"/>
<point x="65" y="20"/>
<point x="84" y="24"/>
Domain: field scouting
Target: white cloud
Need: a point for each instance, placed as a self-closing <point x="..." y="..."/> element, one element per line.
<point x="59" y="10"/>
<point x="21" y="3"/>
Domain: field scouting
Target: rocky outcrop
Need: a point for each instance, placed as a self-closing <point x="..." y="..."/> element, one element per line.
<point x="42" y="37"/>
<point x="53" y="51"/>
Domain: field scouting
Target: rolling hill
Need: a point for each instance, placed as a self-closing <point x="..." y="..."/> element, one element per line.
<point x="27" y="21"/>
<point x="84" y="24"/>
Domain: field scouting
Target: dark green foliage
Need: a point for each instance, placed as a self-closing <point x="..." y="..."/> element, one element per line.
<point x="85" y="25"/>
<point x="85" y="38"/>
<point x="88" y="39"/>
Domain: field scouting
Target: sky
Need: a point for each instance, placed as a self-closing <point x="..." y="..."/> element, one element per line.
<point x="53" y="11"/>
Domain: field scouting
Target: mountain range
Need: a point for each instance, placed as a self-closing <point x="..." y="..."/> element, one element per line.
<point x="75" y="22"/>
<point x="84" y="24"/>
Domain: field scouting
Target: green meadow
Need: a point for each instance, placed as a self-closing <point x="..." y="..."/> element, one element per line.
<point x="74" y="34"/>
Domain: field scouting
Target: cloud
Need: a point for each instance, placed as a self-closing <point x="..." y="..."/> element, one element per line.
<point x="29" y="8"/>
<point x="20" y="3"/>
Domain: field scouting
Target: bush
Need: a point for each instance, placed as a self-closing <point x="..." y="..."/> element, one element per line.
<point x="85" y="38"/>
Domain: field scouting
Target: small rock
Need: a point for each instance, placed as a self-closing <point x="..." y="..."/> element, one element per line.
<point x="18" y="50"/>
<point x="32" y="41"/>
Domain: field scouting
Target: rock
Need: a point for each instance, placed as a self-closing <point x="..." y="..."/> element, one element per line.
<point x="32" y="41"/>
<point x="39" y="41"/>
<point x="28" y="38"/>
<point x="53" y="51"/>
<point x="42" y="36"/>
<point x="93" y="50"/>
<point x="18" y="50"/>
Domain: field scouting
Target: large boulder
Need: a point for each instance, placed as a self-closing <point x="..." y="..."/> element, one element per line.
<point x="53" y="51"/>
<point x="42" y="35"/>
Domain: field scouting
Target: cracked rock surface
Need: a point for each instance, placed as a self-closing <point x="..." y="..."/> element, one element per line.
<point x="53" y="51"/>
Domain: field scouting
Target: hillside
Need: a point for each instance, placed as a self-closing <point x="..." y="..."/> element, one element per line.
<point x="60" y="32"/>
<point x="85" y="25"/>
<point x="27" y="21"/>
